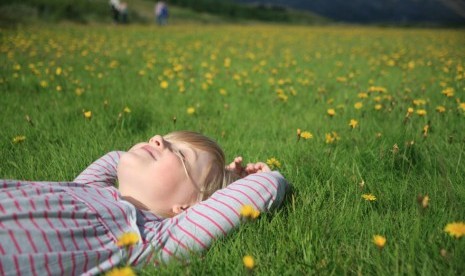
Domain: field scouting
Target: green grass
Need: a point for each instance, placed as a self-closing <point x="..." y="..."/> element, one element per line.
<point x="324" y="227"/>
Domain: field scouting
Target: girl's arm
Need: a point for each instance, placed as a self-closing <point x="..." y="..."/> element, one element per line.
<point x="101" y="172"/>
<point x="196" y="228"/>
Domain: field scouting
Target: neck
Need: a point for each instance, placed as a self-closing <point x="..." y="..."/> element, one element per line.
<point x="141" y="206"/>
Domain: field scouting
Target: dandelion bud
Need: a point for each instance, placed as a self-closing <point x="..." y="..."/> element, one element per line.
<point x="425" y="131"/>
<point x="29" y="120"/>
<point x="423" y="201"/>
<point x="443" y="253"/>
<point x="395" y="149"/>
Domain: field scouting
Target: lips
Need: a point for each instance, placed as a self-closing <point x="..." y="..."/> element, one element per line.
<point x="150" y="151"/>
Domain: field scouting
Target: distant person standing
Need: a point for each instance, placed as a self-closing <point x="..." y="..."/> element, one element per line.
<point x="161" y="13"/>
<point x="123" y="11"/>
<point x="115" y="8"/>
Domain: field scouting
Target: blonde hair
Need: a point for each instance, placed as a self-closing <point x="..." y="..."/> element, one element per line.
<point x="217" y="177"/>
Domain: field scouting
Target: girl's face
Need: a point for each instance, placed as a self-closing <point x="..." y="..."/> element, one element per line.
<point x="161" y="176"/>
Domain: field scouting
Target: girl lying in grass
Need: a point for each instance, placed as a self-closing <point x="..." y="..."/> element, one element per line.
<point x="171" y="200"/>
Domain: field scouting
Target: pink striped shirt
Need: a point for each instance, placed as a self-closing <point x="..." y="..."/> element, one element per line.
<point x="71" y="228"/>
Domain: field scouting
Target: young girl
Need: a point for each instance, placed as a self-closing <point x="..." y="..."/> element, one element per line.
<point x="171" y="194"/>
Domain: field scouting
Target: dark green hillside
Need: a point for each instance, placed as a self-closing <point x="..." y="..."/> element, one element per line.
<point x="13" y="12"/>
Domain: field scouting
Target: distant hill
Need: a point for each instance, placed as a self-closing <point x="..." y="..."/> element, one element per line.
<point x="378" y="11"/>
<point x="14" y="12"/>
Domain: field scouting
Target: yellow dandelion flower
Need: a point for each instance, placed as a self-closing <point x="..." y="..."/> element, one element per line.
<point x="248" y="211"/>
<point x="377" y="89"/>
<point x="378" y="107"/>
<point x="19" y="139"/>
<point x="283" y="97"/>
<point x="79" y="91"/>
<point x="441" y="109"/>
<point x="127" y="239"/>
<point x="409" y="111"/>
<point x="227" y="62"/>
<point x="448" y="92"/>
<point x="127" y="110"/>
<point x="58" y="71"/>
<point x="358" y="105"/>
<point x="411" y="65"/>
<point x="164" y="84"/>
<point x="178" y="68"/>
<point x="421" y="112"/>
<point x="87" y="114"/>
<point x="331" y="112"/>
<point x="353" y="123"/>
<point x="121" y="271"/>
<point x="306" y="135"/>
<point x="455" y="229"/>
<point x="379" y="241"/>
<point x="248" y="261"/>
<point x="362" y="95"/>
<point x="190" y="110"/>
<point x="43" y="84"/>
<point x="331" y="137"/>
<point x="113" y="64"/>
<point x="369" y="197"/>
<point x="462" y="106"/>
<point x="223" y="92"/>
<point x="419" y="102"/>
<point x="341" y="79"/>
<point x="273" y="163"/>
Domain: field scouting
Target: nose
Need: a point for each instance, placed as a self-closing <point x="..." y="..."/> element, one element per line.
<point x="158" y="141"/>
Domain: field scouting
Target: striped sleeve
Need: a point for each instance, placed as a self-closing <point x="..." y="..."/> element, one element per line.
<point x="101" y="172"/>
<point x="195" y="229"/>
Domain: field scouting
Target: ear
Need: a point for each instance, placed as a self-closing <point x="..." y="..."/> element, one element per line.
<point x="177" y="208"/>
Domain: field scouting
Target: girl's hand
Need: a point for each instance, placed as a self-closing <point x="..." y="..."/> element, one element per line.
<point x="237" y="167"/>
<point x="257" y="167"/>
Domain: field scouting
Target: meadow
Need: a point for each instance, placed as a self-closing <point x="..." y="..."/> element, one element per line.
<point x="366" y="123"/>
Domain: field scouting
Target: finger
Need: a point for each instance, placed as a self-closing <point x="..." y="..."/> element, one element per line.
<point x="250" y="168"/>
<point x="264" y="167"/>
<point x="238" y="160"/>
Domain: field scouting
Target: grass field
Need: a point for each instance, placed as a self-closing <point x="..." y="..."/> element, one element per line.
<point x="385" y="110"/>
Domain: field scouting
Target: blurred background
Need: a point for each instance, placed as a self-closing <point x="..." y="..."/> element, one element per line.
<point x="428" y="13"/>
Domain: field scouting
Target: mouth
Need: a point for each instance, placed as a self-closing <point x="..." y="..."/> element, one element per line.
<point x="150" y="151"/>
